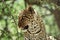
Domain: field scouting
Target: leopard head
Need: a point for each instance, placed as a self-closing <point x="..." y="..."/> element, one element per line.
<point x="25" y="16"/>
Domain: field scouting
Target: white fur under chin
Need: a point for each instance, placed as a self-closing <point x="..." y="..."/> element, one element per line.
<point x="24" y="30"/>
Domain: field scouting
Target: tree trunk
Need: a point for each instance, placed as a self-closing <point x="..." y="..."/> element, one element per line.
<point x="57" y="18"/>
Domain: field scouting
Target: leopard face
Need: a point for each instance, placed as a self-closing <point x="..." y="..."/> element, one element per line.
<point x="29" y="20"/>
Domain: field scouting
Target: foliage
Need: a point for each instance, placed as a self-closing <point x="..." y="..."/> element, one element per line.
<point x="9" y="11"/>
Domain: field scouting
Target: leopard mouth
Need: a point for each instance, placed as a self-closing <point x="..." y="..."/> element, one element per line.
<point x="35" y="32"/>
<point x="26" y="27"/>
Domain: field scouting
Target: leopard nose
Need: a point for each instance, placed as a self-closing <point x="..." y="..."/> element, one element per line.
<point x="26" y="27"/>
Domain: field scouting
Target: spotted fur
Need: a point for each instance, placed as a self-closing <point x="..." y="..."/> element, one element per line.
<point x="30" y="20"/>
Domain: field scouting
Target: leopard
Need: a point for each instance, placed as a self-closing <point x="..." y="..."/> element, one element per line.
<point x="32" y="22"/>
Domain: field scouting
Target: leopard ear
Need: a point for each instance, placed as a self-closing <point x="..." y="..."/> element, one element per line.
<point x="30" y="9"/>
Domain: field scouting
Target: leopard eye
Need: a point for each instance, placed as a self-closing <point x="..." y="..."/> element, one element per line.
<point x="23" y="15"/>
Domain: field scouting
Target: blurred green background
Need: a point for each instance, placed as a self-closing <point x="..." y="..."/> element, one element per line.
<point x="10" y="10"/>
